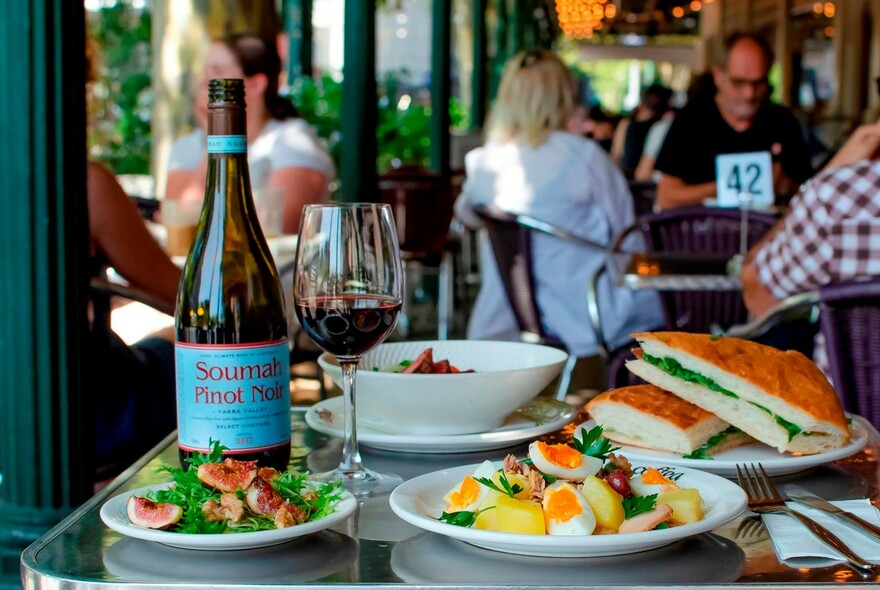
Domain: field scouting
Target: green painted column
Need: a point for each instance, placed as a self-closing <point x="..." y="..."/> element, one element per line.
<point x="502" y="47"/>
<point x="480" y="71"/>
<point x="517" y="30"/>
<point x="298" y="26"/>
<point x="45" y="457"/>
<point x="359" y="109"/>
<point x="441" y="86"/>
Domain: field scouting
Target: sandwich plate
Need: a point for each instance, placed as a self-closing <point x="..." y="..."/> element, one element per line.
<point x="774" y="462"/>
<point x="419" y="502"/>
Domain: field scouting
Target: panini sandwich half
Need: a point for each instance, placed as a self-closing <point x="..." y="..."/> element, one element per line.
<point x="646" y="416"/>
<point x="779" y="397"/>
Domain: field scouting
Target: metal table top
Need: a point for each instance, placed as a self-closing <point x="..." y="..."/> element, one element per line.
<point x="375" y="548"/>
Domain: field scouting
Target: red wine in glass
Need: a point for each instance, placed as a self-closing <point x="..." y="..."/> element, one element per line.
<point x="348" y="325"/>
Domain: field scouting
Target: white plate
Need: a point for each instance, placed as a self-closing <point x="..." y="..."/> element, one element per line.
<point x="326" y="417"/>
<point x="774" y="462"/>
<point x="419" y="502"/>
<point x="113" y="515"/>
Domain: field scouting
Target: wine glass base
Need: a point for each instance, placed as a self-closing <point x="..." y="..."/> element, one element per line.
<point x="362" y="483"/>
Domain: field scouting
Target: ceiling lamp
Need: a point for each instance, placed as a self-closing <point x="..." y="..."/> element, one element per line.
<point x="579" y="19"/>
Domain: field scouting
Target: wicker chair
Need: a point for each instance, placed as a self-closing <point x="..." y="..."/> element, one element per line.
<point x="702" y="230"/>
<point x="850" y="321"/>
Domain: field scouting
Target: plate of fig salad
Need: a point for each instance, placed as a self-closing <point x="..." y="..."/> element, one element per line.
<point x="224" y="504"/>
<point x="568" y="500"/>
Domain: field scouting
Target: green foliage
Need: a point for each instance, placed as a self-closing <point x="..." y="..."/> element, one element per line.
<point x="121" y="97"/>
<point x="403" y="119"/>
<point x="319" y="101"/>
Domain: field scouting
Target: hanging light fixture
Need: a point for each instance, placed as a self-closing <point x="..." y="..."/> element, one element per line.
<point x="579" y="19"/>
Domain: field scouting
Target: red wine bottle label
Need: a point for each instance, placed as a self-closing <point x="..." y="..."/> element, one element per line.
<point x="227" y="144"/>
<point x="236" y="394"/>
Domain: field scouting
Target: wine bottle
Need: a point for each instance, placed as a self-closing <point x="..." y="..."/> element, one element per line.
<point x="231" y="352"/>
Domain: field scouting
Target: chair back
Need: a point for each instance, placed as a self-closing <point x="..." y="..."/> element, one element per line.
<point x="644" y="194"/>
<point x="512" y="246"/>
<point x="702" y="231"/>
<point x="421" y="202"/>
<point x="850" y="321"/>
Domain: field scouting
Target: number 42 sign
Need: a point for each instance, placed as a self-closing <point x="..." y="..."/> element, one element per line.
<point x="744" y="176"/>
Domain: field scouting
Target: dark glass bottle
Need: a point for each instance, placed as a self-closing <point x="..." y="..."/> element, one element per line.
<point x="232" y="359"/>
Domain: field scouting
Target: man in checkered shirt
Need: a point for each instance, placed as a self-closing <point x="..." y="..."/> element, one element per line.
<point x="831" y="232"/>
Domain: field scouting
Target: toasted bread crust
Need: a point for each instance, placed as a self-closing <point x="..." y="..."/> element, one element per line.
<point x="657" y="402"/>
<point x="787" y="375"/>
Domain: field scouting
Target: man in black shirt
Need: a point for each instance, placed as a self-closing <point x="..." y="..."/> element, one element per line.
<point x="739" y="118"/>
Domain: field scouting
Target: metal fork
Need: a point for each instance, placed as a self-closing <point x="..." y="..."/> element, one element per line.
<point x="764" y="498"/>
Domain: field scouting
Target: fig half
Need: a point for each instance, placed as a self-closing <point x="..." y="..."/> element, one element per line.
<point x="152" y="515"/>
<point x="228" y="476"/>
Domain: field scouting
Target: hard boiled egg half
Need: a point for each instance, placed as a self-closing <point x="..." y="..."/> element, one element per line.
<point x="566" y="511"/>
<point x="469" y="494"/>
<point x="650" y="482"/>
<point x="563" y="461"/>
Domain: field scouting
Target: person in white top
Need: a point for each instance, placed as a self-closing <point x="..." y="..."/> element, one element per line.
<point x="283" y="151"/>
<point x="530" y="165"/>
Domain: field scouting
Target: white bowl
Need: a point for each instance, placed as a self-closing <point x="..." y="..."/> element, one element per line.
<point x="507" y="375"/>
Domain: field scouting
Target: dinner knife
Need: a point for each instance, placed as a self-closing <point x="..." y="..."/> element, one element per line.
<point x="799" y="494"/>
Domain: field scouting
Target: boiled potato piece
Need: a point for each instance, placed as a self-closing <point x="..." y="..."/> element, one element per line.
<point x="519" y="516"/>
<point x="488" y="520"/>
<point x="607" y="505"/>
<point x="686" y="503"/>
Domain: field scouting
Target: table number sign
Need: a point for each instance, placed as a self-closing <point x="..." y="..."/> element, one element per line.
<point x="744" y="176"/>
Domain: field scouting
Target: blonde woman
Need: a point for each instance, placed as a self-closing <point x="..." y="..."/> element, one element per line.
<point x="531" y="165"/>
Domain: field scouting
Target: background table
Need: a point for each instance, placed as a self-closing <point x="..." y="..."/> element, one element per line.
<point x="374" y="547"/>
<point x="675" y="272"/>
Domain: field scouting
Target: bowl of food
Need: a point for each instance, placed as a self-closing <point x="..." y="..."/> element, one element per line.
<point x="447" y="387"/>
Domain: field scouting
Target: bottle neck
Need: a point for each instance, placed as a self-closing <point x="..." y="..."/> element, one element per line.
<point x="227" y="131"/>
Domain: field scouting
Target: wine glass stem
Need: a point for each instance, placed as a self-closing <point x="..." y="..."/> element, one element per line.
<point x="351" y="456"/>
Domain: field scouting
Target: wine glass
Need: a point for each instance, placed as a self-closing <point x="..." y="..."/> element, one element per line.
<point x="347" y="290"/>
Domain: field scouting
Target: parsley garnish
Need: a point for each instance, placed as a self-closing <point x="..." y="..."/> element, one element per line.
<point x="510" y="490"/>
<point x="661" y="526"/>
<point x="635" y="505"/>
<point x="463" y="518"/>
<point x="592" y="443"/>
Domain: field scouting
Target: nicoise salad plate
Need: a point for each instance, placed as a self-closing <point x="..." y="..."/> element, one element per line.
<point x="724" y="462"/>
<point x="537" y="417"/>
<point x="568" y="500"/>
<point x="113" y="514"/>
<point x="419" y="502"/>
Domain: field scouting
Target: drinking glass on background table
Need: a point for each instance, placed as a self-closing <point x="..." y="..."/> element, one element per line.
<point x="348" y="288"/>
<point x="181" y="220"/>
